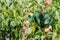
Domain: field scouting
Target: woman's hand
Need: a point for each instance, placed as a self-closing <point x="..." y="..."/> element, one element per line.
<point x="48" y="29"/>
<point x="47" y="2"/>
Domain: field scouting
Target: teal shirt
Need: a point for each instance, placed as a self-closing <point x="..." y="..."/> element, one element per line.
<point x="46" y="19"/>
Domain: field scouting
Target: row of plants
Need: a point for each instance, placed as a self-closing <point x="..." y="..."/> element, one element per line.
<point x="13" y="13"/>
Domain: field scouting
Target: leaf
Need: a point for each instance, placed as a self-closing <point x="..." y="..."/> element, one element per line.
<point x="28" y="30"/>
<point x="13" y="23"/>
<point x="16" y="33"/>
<point x="54" y="35"/>
<point x="37" y="36"/>
<point x="42" y="37"/>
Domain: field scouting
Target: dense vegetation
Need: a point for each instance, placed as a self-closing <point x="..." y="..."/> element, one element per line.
<point x="13" y="13"/>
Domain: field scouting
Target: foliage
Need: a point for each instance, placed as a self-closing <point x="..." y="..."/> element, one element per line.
<point x="13" y="13"/>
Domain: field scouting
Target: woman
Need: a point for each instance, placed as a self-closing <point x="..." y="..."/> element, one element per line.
<point x="40" y="16"/>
